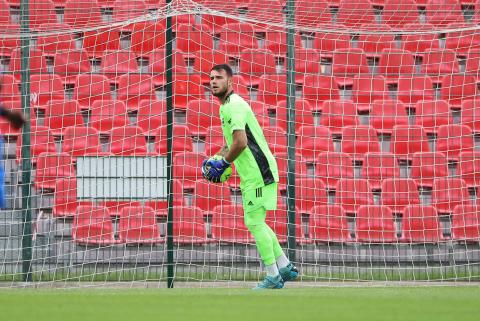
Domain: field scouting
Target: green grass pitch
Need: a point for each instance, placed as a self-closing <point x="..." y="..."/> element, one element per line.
<point x="436" y="303"/>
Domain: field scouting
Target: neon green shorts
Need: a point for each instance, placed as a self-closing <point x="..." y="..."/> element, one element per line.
<point x="257" y="201"/>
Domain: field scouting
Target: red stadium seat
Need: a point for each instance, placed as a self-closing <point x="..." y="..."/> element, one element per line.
<point x="146" y="36"/>
<point x="186" y="88"/>
<point x="367" y="89"/>
<point x="46" y="87"/>
<point x="201" y="114"/>
<point x="462" y="41"/>
<point x="310" y="192"/>
<point x="448" y="193"/>
<point x="395" y="63"/>
<point x="58" y="41"/>
<point x="80" y="141"/>
<point x="8" y="44"/>
<point x="92" y="225"/>
<point x="254" y="63"/>
<point x="115" y="207"/>
<point x="471" y="114"/>
<point x="40" y="12"/>
<point x="466" y="223"/>
<point x="379" y="166"/>
<point x="132" y="88"/>
<point x="358" y="140"/>
<point x="189" y="225"/>
<point x="97" y="41"/>
<point x="303" y="114"/>
<point x="349" y="62"/>
<point x="258" y="10"/>
<point x="208" y="195"/>
<point x="276" y="41"/>
<point x="375" y="224"/>
<point x="214" y="140"/>
<point x="472" y="61"/>
<point x="124" y="10"/>
<point x="272" y="89"/>
<point x="228" y="225"/>
<point x="107" y="114"/>
<point x="333" y="166"/>
<point x="398" y="193"/>
<point x="116" y="63"/>
<point x="307" y="63"/>
<point x="407" y="140"/>
<point x="375" y="43"/>
<point x="235" y="37"/>
<point x="468" y="168"/>
<point x="37" y="63"/>
<point x="386" y="114"/>
<point x="458" y="87"/>
<point x="68" y="64"/>
<point x="61" y="114"/>
<point x="182" y="140"/>
<point x="282" y="164"/>
<point x="352" y="193"/>
<point x="420" y="225"/>
<point x="427" y="166"/>
<point x="411" y="89"/>
<point x="443" y="12"/>
<point x="311" y="14"/>
<point x="4" y="12"/>
<point x="337" y="114"/>
<point x="440" y="61"/>
<point x="328" y="224"/>
<point x="327" y="42"/>
<point x="52" y="166"/>
<point x="398" y="13"/>
<point x="40" y="141"/>
<point x="151" y="116"/>
<point x="313" y="140"/>
<point x="453" y="139"/>
<point x="128" y="141"/>
<point x="431" y="114"/>
<point x="318" y="88"/>
<point x="192" y="38"/>
<point x="81" y="13"/>
<point x="240" y="86"/>
<point x="420" y="38"/>
<point x="205" y="59"/>
<point x="10" y="89"/>
<point x="65" y="201"/>
<point x="138" y="225"/>
<point x="89" y="88"/>
<point x="354" y="13"/>
<point x="186" y="168"/>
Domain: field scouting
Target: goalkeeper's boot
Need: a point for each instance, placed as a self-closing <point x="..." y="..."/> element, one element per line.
<point x="289" y="273"/>
<point x="270" y="282"/>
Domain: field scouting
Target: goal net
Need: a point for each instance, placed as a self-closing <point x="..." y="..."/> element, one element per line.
<point x="384" y="158"/>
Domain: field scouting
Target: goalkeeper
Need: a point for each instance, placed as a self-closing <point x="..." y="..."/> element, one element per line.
<point x="247" y="148"/>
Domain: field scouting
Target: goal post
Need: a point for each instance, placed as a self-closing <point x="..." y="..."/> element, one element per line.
<point x="369" y="109"/>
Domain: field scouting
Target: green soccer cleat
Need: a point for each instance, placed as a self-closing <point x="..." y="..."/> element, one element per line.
<point x="270" y="282"/>
<point x="289" y="273"/>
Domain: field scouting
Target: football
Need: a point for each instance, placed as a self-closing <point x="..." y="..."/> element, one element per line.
<point x="226" y="174"/>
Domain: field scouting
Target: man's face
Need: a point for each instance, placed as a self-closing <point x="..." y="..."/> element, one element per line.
<point x="219" y="83"/>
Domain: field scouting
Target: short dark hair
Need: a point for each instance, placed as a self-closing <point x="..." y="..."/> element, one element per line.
<point x="225" y="67"/>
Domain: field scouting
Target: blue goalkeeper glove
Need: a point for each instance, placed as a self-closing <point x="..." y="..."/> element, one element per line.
<point x="213" y="169"/>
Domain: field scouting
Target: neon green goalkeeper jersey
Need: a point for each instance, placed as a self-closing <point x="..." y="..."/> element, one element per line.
<point x="256" y="165"/>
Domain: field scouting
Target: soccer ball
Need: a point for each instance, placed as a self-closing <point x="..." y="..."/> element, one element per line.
<point x="226" y="174"/>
